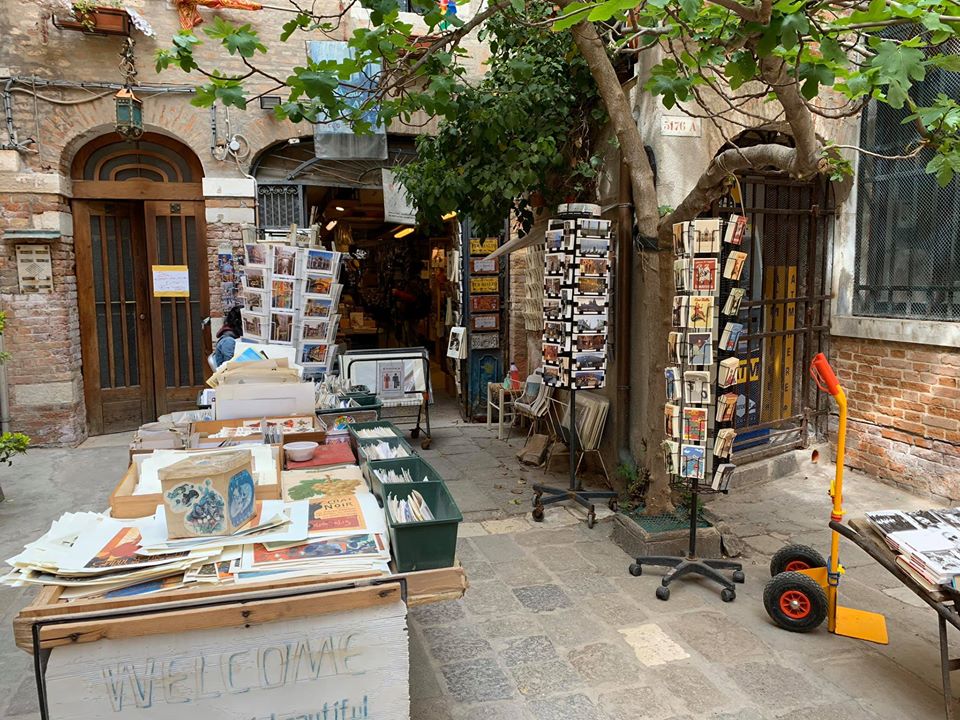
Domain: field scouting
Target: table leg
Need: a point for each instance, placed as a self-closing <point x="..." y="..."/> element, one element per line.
<point x="489" y="400"/>
<point x="945" y="668"/>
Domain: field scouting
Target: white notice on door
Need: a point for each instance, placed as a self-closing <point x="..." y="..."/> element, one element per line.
<point x="171" y="281"/>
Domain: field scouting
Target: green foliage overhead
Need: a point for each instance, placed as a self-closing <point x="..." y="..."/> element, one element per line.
<point x="527" y="127"/>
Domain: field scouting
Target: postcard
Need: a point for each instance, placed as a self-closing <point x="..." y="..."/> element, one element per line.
<point x="552" y="286"/>
<point x="254" y="325"/>
<point x="257" y="255"/>
<point x="551" y="352"/>
<point x="705" y="275"/>
<point x="589" y="379"/>
<point x="736" y="226"/>
<point x="554" y="240"/>
<point x="318" y="285"/>
<point x="255" y="300"/>
<point x="313" y="353"/>
<point x="672" y="377"/>
<point x="284" y="260"/>
<point x="255" y="278"/>
<point x="692" y="461"/>
<point x="727" y="407"/>
<point x="678" y="317"/>
<point x="281" y="327"/>
<point x="323" y="262"/>
<point x="316" y="307"/>
<point x="700" y="316"/>
<point x="700" y="348"/>
<point x="671" y="420"/>
<point x="730" y="338"/>
<point x="727" y="373"/>
<point x="694" y="425"/>
<point x="676" y="347"/>
<point x="317" y="329"/>
<point x="590" y="323"/>
<point x="594" y="266"/>
<point x="722" y="477"/>
<point x="732" y="305"/>
<point x="595" y="247"/>
<point x="697" y="387"/>
<point x="555" y="330"/>
<point x="553" y="263"/>
<point x="707" y="236"/>
<point x="680" y="238"/>
<point x="551" y="374"/>
<point x="585" y="341"/>
<point x="552" y="308"/>
<point x="282" y="293"/>
<point x="590" y="361"/>
<point x="589" y="304"/>
<point x="733" y="268"/>
<point x="456" y="344"/>
<point x="671" y="456"/>
<point x="681" y="275"/>
<point x="591" y="286"/>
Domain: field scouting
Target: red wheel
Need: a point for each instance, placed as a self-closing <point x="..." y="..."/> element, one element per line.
<point x="796" y="566"/>
<point x="795" y="602"/>
<point x="794" y="558"/>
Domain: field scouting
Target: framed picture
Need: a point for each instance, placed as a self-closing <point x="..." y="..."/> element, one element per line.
<point x="456" y="344"/>
<point x="284" y="260"/>
<point x="484" y="303"/>
<point x="281" y="327"/>
<point x="390" y="378"/>
<point x="485" y="322"/>
<point x="484" y="266"/>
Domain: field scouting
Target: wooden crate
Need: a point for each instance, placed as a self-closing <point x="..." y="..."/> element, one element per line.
<point x="124" y="504"/>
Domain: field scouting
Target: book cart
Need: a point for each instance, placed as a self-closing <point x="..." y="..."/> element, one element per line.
<point x="576" y="318"/>
<point x="700" y="378"/>
<point x="293" y="646"/>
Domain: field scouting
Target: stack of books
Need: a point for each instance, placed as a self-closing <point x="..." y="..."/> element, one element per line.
<point x="927" y="542"/>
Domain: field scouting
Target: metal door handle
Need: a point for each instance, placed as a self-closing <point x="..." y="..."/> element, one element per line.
<point x="142" y="316"/>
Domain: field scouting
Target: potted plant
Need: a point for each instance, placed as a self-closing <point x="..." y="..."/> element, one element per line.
<point x="97" y="18"/>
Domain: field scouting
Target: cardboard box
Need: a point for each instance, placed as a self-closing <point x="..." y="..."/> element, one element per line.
<point x="201" y="431"/>
<point x="265" y="400"/>
<point x="124" y="504"/>
<point x="208" y="494"/>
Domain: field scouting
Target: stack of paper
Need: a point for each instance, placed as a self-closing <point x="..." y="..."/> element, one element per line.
<point x="384" y="431"/>
<point x="928" y="541"/>
<point x="383" y="450"/>
<point x="412" y="509"/>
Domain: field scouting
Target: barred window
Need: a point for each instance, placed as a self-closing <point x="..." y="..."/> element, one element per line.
<point x="908" y="227"/>
<point x="280" y="205"/>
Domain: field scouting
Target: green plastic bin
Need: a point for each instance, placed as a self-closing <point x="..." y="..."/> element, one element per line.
<point x="393" y="442"/>
<point x="417" y="466"/>
<point x="330" y="419"/>
<point x="372" y="424"/>
<point x="368" y="401"/>
<point x="424" y="545"/>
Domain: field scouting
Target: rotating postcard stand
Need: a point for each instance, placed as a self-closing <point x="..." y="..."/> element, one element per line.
<point x="698" y="421"/>
<point x="576" y="301"/>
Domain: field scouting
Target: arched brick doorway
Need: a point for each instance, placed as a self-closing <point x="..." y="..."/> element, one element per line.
<point x="136" y="206"/>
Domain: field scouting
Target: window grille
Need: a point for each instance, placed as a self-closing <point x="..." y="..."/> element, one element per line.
<point x="280" y="205"/>
<point x="908" y="227"/>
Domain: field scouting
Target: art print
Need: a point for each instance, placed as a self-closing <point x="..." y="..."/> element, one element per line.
<point x="257" y="255"/>
<point x="705" y="275"/>
<point x="284" y="260"/>
<point x="316" y="307"/>
<point x="281" y="327"/>
<point x="337" y="546"/>
<point x="282" y="292"/>
<point x="313" y="353"/>
<point x="120" y="551"/>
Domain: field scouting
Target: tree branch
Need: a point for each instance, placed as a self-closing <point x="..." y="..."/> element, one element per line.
<point x="773" y="70"/>
<point x="759" y="12"/>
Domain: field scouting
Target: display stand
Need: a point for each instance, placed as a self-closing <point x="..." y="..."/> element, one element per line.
<point x="576" y="299"/>
<point x="575" y="490"/>
<point x="706" y="269"/>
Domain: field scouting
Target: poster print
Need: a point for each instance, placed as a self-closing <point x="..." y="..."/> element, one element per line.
<point x="483" y="246"/>
<point x="284" y="260"/>
<point x="484" y="303"/>
<point x="484" y="266"/>
<point x="485" y="322"/>
<point x="484" y="284"/>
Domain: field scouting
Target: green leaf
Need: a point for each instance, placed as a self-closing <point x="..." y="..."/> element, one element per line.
<point x="741" y="69"/>
<point x="896" y="67"/>
<point x="690" y="8"/>
<point x="946" y="62"/>
<point x="813" y="76"/>
<point x="792" y="28"/>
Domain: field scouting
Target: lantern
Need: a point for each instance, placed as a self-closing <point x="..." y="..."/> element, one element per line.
<point x="129" y="114"/>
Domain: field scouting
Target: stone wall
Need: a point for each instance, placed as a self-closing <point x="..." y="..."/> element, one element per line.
<point x="904" y="412"/>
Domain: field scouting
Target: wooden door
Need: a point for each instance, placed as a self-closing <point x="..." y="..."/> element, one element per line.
<point x="114" y="316"/>
<point x="176" y="235"/>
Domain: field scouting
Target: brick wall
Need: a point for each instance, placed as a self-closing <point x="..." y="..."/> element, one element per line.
<point x="42" y="333"/>
<point x="904" y="412"/>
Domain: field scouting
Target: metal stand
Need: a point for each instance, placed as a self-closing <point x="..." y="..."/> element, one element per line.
<point x="575" y="491"/>
<point x="691" y="564"/>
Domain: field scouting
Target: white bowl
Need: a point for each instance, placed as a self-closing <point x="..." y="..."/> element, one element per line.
<point x="300" y="451"/>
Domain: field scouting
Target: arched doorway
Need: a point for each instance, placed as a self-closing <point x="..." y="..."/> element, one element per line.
<point x="137" y="206"/>
<point x="787" y="315"/>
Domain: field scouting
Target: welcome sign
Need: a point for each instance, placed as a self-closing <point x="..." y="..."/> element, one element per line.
<point x="348" y="665"/>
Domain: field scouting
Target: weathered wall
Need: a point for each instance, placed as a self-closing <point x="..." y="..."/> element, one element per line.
<point x="904" y="412"/>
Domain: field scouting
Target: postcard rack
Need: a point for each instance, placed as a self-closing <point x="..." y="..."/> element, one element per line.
<point x="575" y="306"/>
<point x="702" y="349"/>
<point x="408" y="404"/>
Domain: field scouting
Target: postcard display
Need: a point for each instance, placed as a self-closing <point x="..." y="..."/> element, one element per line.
<point x="290" y="297"/>
<point x="576" y="300"/>
<point x="701" y="377"/>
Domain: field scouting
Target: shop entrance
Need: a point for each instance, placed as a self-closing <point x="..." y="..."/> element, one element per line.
<point x="139" y="205"/>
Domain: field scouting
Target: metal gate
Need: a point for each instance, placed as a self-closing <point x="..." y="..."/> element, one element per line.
<point x="788" y="312"/>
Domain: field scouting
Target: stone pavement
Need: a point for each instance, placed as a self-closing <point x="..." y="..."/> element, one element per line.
<point x="553" y="626"/>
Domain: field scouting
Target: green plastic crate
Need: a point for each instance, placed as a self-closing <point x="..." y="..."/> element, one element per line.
<point x="424" y="545"/>
<point x="417" y="466"/>
<point x="368" y="401"/>
<point x="328" y="418"/>
<point x="372" y="424"/>
<point x="362" y="458"/>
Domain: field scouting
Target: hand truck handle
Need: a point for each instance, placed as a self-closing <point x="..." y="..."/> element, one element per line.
<point x="823" y="374"/>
